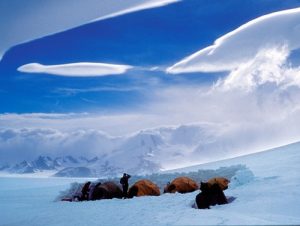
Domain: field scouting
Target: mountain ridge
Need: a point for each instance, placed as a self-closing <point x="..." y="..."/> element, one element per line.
<point x="144" y="152"/>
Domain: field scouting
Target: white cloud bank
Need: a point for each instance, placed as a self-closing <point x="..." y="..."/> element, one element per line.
<point x="241" y="45"/>
<point x="42" y="18"/>
<point x="82" y="69"/>
<point x="238" y="123"/>
<point x="269" y="66"/>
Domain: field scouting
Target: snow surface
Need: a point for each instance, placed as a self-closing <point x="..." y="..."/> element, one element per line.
<point x="80" y="69"/>
<point x="243" y="44"/>
<point x="267" y="193"/>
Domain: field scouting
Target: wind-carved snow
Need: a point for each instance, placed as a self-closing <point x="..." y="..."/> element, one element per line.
<point x="243" y="44"/>
<point x="82" y="69"/>
<point x="240" y="174"/>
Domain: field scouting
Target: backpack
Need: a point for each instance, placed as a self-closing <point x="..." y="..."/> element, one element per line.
<point x="122" y="180"/>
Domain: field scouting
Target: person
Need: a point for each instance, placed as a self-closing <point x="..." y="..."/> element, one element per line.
<point x="124" y="182"/>
<point x="210" y="196"/>
<point x="85" y="191"/>
<point x="91" y="190"/>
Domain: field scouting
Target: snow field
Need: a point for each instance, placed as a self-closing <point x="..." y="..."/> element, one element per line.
<point x="267" y="192"/>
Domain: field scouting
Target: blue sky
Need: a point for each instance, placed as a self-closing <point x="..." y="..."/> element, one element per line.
<point x="48" y="107"/>
<point x="156" y="37"/>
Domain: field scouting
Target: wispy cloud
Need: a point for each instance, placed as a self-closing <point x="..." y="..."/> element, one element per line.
<point x="242" y="122"/>
<point x="74" y="91"/>
<point x="269" y="66"/>
<point x="82" y="69"/>
<point x="248" y="120"/>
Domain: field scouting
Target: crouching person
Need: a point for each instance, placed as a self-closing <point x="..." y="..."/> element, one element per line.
<point x="85" y="191"/>
<point x="212" y="193"/>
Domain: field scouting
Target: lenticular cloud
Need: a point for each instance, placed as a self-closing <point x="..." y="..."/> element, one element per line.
<point x="241" y="45"/>
<point x="76" y="69"/>
<point x="142" y="6"/>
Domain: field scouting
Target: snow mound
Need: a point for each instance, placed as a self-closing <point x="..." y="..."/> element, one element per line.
<point x="241" y="177"/>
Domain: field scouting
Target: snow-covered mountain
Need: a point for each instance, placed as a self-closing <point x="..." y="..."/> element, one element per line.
<point x="46" y="163"/>
<point x="70" y="160"/>
<point x="22" y="167"/>
<point x="144" y="152"/>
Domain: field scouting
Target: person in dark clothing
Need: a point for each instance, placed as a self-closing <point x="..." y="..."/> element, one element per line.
<point x="210" y="196"/>
<point x="218" y="197"/>
<point x="85" y="191"/>
<point x="125" y="185"/>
